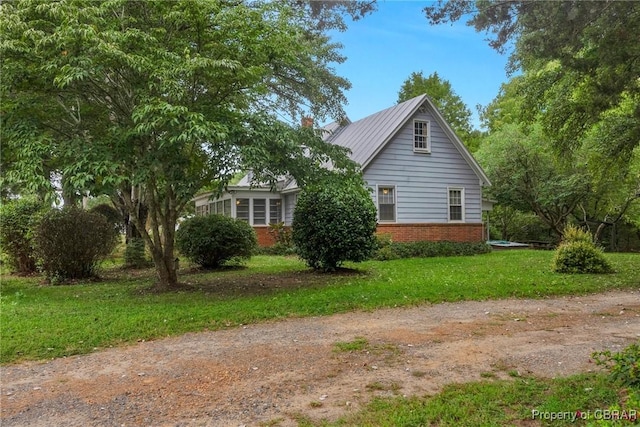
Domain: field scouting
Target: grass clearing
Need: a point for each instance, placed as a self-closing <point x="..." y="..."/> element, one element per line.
<point x="41" y="322"/>
<point x="487" y="403"/>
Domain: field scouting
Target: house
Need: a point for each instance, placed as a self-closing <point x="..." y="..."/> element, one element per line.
<point x="425" y="183"/>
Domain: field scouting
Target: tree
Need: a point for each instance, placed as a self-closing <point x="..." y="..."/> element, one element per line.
<point x="526" y="176"/>
<point x="152" y="100"/>
<point x="582" y="57"/>
<point x="454" y="110"/>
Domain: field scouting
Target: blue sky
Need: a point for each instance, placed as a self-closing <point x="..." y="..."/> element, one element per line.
<point x="385" y="47"/>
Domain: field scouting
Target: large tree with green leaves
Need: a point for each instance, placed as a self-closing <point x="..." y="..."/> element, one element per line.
<point x="581" y="60"/>
<point x="452" y="107"/>
<point x="155" y="99"/>
<point x="526" y="176"/>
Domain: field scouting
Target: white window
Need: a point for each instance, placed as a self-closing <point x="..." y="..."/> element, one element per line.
<point x="227" y="207"/>
<point x="275" y="211"/>
<point x="421" y="136"/>
<point x="386" y="203"/>
<point x="242" y="209"/>
<point x="259" y="211"/>
<point x="456" y="204"/>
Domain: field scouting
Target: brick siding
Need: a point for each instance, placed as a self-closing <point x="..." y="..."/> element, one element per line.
<point x="433" y="232"/>
<point x="265" y="239"/>
<point x="409" y="233"/>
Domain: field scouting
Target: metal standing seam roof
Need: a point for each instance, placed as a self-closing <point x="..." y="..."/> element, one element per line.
<point x="368" y="136"/>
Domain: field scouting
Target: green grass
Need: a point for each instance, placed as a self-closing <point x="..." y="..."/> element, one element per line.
<point x="487" y="403"/>
<point x="40" y="322"/>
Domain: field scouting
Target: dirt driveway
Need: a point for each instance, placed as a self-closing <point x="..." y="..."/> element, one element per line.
<point x="270" y="372"/>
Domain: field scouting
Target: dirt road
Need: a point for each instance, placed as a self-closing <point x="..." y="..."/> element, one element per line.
<point x="272" y="371"/>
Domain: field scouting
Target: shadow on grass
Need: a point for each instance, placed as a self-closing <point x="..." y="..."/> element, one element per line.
<point x="209" y="283"/>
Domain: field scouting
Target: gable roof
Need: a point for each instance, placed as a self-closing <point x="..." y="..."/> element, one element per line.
<point x="368" y="136"/>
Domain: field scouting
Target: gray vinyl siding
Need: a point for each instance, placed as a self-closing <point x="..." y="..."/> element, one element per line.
<point x="422" y="180"/>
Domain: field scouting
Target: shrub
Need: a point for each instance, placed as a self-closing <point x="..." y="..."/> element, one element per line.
<point x="574" y="234"/>
<point x="113" y="216"/>
<point x="426" y="249"/>
<point x="334" y="223"/>
<point x="17" y="220"/>
<point x="213" y="240"/>
<point x="580" y="257"/>
<point x="69" y="243"/>
<point x="578" y="254"/>
<point x="624" y="367"/>
<point x="134" y="254"/>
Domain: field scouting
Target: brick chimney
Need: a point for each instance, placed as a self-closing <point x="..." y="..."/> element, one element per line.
<point x="307" y="122"/>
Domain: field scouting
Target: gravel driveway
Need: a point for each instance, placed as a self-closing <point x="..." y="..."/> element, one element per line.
<point x="272" y="371"/>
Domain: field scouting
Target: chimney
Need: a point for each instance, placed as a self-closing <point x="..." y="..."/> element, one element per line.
<point x="307" y="122"/>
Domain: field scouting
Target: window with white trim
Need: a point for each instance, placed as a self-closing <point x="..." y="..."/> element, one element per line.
<point x="259" y="211"/>
<point x="387" y="203"/>
<point x="242" y="209"/>
<point x="226" y="209"/>
<point x="275" y="211"/>
<point x="456" y="204"/>
<point x="421" y="136"/>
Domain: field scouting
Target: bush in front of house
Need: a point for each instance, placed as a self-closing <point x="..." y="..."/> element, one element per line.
<point x="334" y="223"/>
<point x="17" y="219"/>
<point x="135" y="254"/>
<point x="70" y="243"/>
<point x="427" y="249"/>
<point x="213" y="240"/>
<point x="578" y="253"/>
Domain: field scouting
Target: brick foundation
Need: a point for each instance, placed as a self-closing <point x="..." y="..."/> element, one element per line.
<point x="265" y="239"/>
<point x="408" y="233"/>
<point x="433" y="232"/>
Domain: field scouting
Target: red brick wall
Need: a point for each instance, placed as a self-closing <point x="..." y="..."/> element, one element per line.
<point x="409" y="233"/>
<point x="264" y="238"/>
<point x="432" y="232"/>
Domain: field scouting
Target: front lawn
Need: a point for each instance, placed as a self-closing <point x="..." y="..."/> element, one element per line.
<point x="40" y="322"/>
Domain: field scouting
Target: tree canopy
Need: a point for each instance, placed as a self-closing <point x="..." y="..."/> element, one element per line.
<point x="158" y="98"/>
<point x="581" y="60"/>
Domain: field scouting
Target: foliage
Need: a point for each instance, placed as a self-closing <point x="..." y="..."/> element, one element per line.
<point x="334" y="223"/>
<point x="213" y="240"/>
<point x="579" y="61"/>
<point x="283" y="237"/>
<point x="111" y="214"/>
<point x="624" y="366"/>
<point x="70" y="243"/>
<point x="425" y="249"/>
<point x="153" y="100"/>
<point x="17" y="220"/>
<point x="506" y="223"/>
<point x="526" y="176"/>
<point x="453" y="109"/>
<point x="579" y="254"/>
<point x="135" y="254"/>
<point x="573" y="234"/>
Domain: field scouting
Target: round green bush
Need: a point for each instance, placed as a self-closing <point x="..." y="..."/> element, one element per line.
<point x="17" y="220"/>
<point x="333" y="224"/>
<point x="70" y="243"/>
<point x="580" y="256"/>
<point x="213" y="240"/>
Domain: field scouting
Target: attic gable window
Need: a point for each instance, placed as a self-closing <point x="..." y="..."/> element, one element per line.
<point x="421" y="136"/>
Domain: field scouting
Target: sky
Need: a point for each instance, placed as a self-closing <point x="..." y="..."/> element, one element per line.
<point x="385" y="47"/>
